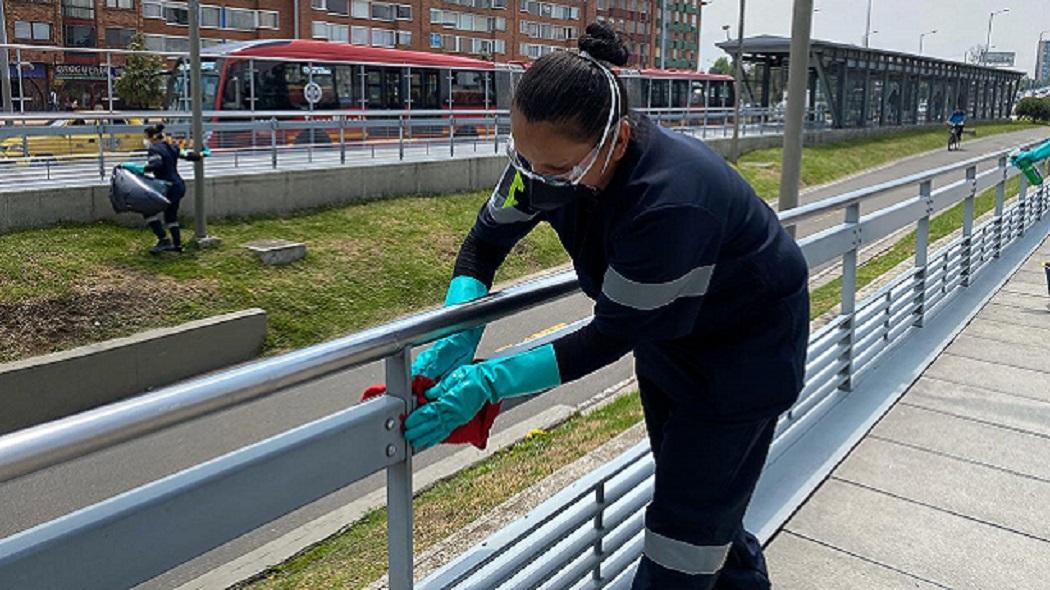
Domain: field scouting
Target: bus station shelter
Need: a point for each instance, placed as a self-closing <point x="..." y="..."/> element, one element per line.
<point x="864" y="87"/>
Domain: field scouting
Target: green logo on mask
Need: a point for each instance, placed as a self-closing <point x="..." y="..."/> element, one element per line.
<point x="516" y="185"/>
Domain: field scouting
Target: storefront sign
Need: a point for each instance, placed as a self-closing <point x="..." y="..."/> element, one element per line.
<point x="83" y="72"/>
<point x="34" y="71"/>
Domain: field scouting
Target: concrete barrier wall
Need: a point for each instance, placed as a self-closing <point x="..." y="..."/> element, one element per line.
<point x="285" y="191"/>
<point x="45" y="388"/>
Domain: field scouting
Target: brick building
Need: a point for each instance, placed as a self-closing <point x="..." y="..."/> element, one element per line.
<point x="500" y="30"/>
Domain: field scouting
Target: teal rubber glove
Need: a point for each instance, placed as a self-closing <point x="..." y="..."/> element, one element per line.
<point x="134" y="167"/>
<point x="459" y="396"/>
<point x="459" y="348"/>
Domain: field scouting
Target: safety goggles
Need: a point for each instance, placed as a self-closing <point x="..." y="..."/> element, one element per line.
<point x="574" y="176"/>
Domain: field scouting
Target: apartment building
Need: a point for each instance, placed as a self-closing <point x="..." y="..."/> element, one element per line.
<point x="498" y="30"/>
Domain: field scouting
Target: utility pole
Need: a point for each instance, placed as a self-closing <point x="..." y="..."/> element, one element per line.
<point x="663" y="36"/>
<point x="867" y="27"/>
<point x="798" y="78"/>
<point x="738" y="76"/>
<point x="197" y="98"/>
<point x="5" y="75"/>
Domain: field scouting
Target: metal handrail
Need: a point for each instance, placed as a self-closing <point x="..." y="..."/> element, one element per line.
<point x="818" y="208"/>
<point x="42" y="446"/>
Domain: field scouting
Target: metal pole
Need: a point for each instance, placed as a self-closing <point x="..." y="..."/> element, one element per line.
<point x="867" y="27"/>
<point x="922" y="253"/>
<point x="21" y="82"/>
<point x="197" y="98"/>
<point x="663" y="36"/>
<point x="798" y="78"/>
<point x="5" y="67"/>
<point x="109" y="80"/>
<point x="737" y="86"/>
<point x="967" y="226"/>
<point x="1000" y="201"/>
<point x="849" y="294"/>
<point x="399" y="481"/>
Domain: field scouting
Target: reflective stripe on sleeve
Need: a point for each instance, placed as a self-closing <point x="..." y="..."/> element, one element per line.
<point x="687" y="558"/>
<point x="648" y="296"/>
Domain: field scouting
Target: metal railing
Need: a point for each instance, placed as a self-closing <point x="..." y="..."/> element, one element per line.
<point x="36" y="152"/>
<point x="586" y="536"/>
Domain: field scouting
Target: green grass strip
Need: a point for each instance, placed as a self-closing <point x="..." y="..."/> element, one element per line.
<point x="356" y="556"/>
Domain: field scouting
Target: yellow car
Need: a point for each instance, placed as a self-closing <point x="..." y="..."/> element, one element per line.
<point x="78" y="137"/>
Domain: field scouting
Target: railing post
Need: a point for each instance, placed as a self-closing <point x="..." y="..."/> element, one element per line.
<point x="495" y="133"/>
<point x="399" y="481"/>
<point x="922" y="253"/>
<point x="101" y="151"/>
<point x="400" y="137"/>
<point x="1022" y="204"/>
<point x="273" y="142"/>
<point x="342" y="139"/>
<point x="849" y="294"/>
<point x="1000" y="202"/>
<point x="967" y="226"/>
<point x="599" y="526"/>
<point x="451" y="136"/>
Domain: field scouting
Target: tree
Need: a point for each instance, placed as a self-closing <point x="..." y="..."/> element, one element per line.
<point x="722" y="66"/>
<point x="139" y="84"/>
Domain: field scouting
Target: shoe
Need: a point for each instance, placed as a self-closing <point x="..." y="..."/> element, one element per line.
<point x="164" y="245"/>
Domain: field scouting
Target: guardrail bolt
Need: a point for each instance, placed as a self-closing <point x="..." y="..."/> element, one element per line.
<point x="390" y="423"/>
<point x="391" y="450"/>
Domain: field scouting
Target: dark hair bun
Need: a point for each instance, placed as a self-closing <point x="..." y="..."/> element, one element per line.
<point x="602" y="43"/>
<point x="159" y="127"/>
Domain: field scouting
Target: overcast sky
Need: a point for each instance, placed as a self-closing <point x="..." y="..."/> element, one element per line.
<point x="960" y="25"/>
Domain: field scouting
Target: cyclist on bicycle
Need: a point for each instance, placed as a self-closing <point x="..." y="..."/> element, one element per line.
<point x="957" y="122"/>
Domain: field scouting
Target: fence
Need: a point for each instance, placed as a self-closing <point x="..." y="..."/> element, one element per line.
<point x="587" y="536"/>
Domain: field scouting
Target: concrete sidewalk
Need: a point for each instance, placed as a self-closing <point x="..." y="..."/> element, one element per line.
<point x="951" y="489"/>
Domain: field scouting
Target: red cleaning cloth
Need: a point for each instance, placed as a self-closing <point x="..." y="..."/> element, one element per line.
<point x="475" y="432"/>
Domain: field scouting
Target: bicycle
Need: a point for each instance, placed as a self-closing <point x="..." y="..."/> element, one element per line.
<point x="954" y="137"/>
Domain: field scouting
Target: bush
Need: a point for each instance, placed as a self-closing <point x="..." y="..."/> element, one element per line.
<point x="1036" y="109"/>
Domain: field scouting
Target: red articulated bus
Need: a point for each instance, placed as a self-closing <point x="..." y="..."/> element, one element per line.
<point x="273" y="75"/>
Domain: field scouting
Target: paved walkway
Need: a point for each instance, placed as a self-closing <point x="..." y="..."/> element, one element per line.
<point x="951" y="489"/>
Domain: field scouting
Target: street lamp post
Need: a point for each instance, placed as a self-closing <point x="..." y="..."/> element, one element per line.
<point x="663" y="36"/>
<point x="867" y="27"/>
<point x="5" y="75"/>
<point x="988" y="41"/>
<point x="726" y="29"/>
<point x="922" y="36"/>
<point x="738" y="85"/>
<point x="699" y="27"/>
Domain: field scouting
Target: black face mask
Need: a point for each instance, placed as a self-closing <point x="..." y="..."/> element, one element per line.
<point x="546" y="197"/>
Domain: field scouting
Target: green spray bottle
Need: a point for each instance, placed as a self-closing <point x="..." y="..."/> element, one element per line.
<point x="1026" y="162"/>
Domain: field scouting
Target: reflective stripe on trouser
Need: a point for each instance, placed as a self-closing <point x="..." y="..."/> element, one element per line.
<point x="706" y="471"/>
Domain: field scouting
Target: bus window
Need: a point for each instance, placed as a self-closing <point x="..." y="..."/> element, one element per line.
<point x="374" y="87"/>
<point x="679" y="93"/>
<point x="468" y="89"/>
<point x="347" y="86"/>
<point x="646" y="88"/>
<point x="392" y="87"/>
<point x="661" y="96"/>
<point x="236" y="89"/>
<point x="425" y="89"/>
<point x="271" y="87"/>
<point x="297" y="76"/>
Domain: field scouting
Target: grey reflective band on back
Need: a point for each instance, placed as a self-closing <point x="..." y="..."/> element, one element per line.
<point x="684" y="557"/>
<point x="501" y="214"/>
<point x="648" y="296"/>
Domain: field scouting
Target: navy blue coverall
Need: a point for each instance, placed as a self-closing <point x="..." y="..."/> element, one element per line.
<point x="162" y="159"/>
<point x="691" y="271"/>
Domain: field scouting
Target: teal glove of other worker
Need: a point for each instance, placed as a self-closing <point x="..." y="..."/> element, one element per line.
<point x="134" y="167"/>
<point x="459" y="397"/>
<point x="458" y="349"/>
